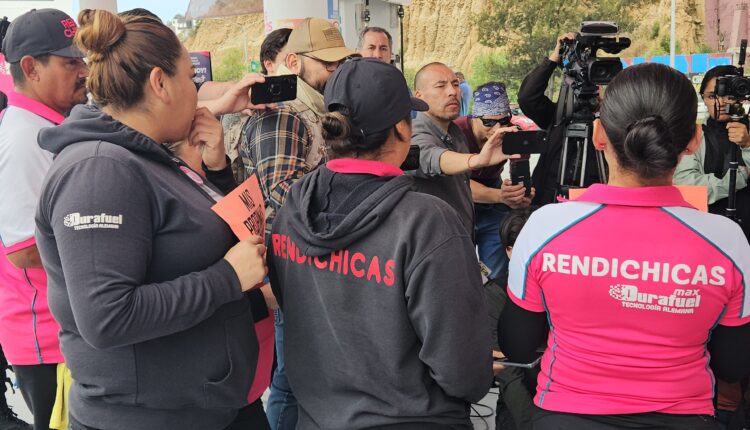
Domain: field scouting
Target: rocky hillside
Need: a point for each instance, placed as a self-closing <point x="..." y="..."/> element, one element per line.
<point x="226" y="36"/>
<point x="442" y="30"/>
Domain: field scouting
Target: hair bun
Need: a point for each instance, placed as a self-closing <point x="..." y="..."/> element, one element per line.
<point x="648" y="140"/>
<point x="651" y="120"/>
<point x="336" y="126"/>
<point x="99" y="31"/>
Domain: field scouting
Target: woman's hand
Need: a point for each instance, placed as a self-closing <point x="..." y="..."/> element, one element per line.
<point x="207" y="134"/>
<point x="497" y="367"/>
<point x="248" y="259"/>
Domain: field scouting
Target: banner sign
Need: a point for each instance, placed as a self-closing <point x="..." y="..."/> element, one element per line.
<point x="202" y="65"/>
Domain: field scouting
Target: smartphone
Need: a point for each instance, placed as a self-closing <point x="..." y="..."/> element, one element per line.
<point x="520" y="173"/>
<point x="412" y="159"/>
<point x="531" y="365"/>
<point x="275" y="89"/>
<point x="525" y="142"/>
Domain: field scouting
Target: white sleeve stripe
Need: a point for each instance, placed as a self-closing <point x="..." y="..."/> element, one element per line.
<point x="723" y="234"/>
<point x="543" y="227"/>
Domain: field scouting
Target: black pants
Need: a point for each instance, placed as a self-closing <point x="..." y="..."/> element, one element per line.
<point x="547" y="420"/>
<point x="3" y="367"/>
<point x="38" y="385"/>
<point x="514" y="400"/>
<point x="251" y="417"/>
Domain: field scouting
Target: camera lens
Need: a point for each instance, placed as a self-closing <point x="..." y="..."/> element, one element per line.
<point x="274" y="89"/>
<point x="740" y="87"/>
<point x="602" y="70"/>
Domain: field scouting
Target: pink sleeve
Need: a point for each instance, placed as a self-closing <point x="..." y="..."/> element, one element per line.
<point x="736" y="313"/>
<point x="19" y="246"/>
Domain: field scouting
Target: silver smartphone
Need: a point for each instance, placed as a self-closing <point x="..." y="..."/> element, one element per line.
<point x="531" y="365"/>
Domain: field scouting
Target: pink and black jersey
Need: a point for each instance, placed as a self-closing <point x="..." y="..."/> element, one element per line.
<point x="28" y="333"/>
<point x="633" y="281"/>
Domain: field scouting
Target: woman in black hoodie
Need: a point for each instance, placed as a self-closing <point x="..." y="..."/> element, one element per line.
<point x="146" y="281"/>
<point x="385" y="321"/>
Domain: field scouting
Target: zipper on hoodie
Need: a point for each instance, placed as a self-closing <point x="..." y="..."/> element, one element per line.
<point x="33" y="313"/>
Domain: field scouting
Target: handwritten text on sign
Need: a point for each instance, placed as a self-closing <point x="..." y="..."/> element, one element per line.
<point x="243" y="209"/>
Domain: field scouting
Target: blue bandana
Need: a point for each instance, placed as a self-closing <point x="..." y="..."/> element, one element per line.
<point x="491" y="100"/>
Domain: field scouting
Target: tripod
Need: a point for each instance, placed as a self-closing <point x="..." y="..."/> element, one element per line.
<point x="736" y="113"/>
<point x="577" y="111"/>
<point x="734" y="86"/>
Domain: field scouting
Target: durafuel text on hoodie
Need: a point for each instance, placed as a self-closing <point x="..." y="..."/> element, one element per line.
<point x="382" y="297"/>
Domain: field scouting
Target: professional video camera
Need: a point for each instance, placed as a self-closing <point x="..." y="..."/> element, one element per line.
<point x="737" y="88"/>
<point x="578" y="102"/>
<point x="579" y="54"/>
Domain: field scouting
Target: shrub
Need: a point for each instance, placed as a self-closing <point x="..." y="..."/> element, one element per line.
<point x="231" y="66"/>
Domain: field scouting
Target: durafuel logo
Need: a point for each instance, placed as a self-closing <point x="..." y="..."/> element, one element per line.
<point x="681" y="301"/>
<point x="84" y="222"/>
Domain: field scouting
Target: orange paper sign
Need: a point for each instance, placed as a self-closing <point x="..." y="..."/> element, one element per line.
<point x="243" y="209"/>
<point x="696" y="195"/>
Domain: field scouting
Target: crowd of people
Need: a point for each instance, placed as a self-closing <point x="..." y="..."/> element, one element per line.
<point x="381" y="295"/>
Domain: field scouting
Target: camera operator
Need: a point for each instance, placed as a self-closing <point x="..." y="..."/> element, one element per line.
<point x="540" y="109"/>
<point x="709" y="165"/>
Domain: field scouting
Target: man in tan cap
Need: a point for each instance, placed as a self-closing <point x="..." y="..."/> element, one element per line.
<point x="281" y="145"/>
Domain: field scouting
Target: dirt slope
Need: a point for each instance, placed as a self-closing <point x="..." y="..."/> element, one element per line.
<point x="441" y="30"/>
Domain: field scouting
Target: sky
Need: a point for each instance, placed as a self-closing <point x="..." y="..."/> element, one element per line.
<point x="165" y="9"/>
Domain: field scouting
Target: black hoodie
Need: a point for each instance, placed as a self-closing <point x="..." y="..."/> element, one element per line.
<point x="384" y="317"/>
<point x="154" y="326"/>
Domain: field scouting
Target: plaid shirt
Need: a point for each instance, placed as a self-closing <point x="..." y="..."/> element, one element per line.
<point x="275" y="147"/>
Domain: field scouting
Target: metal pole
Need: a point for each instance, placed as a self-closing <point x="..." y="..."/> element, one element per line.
<point x="401" y="33"/>
<point x="672" y="34"/>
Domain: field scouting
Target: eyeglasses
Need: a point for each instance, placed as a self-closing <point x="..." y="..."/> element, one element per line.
<point x="713" y="96"/>
<point x="330" y="66"/>
<point x="505" y="121"/>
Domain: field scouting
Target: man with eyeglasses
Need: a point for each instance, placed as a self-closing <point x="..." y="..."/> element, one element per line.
<point x="445" y="160"/>
<point x="708" y="166"/>
<point x="491" y="195"/>
<point x="280" y="145"/>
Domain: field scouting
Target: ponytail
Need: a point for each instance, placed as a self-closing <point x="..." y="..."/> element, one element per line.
<point x="345" y="140"/>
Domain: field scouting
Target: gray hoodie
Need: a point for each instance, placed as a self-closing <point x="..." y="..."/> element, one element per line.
<point x="384" y="319"/>
<point x="154" y="326"/>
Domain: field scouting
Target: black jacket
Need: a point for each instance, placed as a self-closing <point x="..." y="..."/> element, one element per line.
<point x="154" y="326"/>
<point x="543" y="111"/>
<point x="384" y="318"/>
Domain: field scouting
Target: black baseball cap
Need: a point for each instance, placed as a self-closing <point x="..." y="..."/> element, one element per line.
<point x="41" y="32"/>
<point x="374" y="94"/>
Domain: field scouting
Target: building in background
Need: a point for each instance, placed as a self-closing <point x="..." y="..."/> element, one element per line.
<point x="726" y="24"/>
<point x="183" y="27"/>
